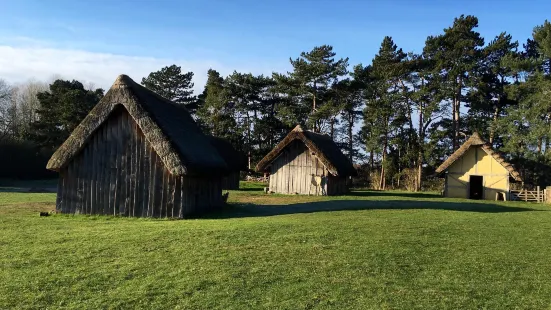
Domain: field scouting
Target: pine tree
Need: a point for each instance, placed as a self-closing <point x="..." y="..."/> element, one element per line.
<point x="62" y="108"/>
<point x="216" y="112"/>
<point x="488" y="99"/>
<point x="309" y="84"/>
<point x="383" y="109"/>
<point x="172" y="84"/>
<point x="456" y="53"/>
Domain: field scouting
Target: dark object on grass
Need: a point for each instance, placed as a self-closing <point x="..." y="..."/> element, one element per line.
<point x="44" y="214"/>
<point x="225" y="197"/>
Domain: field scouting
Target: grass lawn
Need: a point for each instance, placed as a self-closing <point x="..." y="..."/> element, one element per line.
<point x="361" y="251"/>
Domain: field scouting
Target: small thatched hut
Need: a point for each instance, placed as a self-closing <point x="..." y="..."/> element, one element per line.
<point x="235" y="160"/>
<point x="476" y="171"/>
<point x="307" y="163"/>
<point x="137" y="154"/>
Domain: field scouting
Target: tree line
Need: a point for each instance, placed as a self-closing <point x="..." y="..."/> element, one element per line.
<point x="397" y="117"/>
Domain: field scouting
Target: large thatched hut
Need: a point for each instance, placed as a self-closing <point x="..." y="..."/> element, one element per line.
<point x="235" y="160"/>
<point x="476" y="171"/>
<point x="307" y="163"/>
<point x="137" y="154"/>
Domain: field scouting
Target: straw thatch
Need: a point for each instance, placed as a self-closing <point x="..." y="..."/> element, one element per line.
<point x="169" y="129"/>
<point x="235" y="160"/>
<point x="474" y="141"/>
<point x="322" y="146"/>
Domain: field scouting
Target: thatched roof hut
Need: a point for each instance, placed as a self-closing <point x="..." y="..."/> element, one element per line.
<point x="306" y="162"/>
<point x="475" y="170"/>
<point x="137" y="154"/>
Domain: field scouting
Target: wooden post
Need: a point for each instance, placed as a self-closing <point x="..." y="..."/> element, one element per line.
<point x="538" y="189"/>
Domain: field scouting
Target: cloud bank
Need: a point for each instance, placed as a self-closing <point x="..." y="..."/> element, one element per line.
<point x="19" y="64"/>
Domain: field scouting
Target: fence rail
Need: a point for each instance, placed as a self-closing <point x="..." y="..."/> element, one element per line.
<point x="526" y="195"/>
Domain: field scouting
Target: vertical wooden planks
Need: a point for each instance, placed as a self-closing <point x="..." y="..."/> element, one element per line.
<point x="138" y="151"/>
<point x="141" y="167"/>
<point x="134" y="175"/>
<point x="183" y="194"/>
<point x="96" y="166"/>
<point x="158" y="188"/>
<point x="123" y="155"/>
<point x="162" y="191"/>
<point x="112" y="164"/>
<point x="128" y="173"/>
<point x="117" y="162"/>
<point x="152" y="180"/>
<point x="171" y="196"/>
<point x="145" y="176"/>
<point x="178" y="196"/>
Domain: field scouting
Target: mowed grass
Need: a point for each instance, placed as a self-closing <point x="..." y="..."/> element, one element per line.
<point x="382" y="250"/>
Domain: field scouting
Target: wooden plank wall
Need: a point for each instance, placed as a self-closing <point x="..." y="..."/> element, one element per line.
<point x="231" y="182"/>
<point x="119" y="173"/>
<point x="295" y="172"/>
<point x="337" y="185"/>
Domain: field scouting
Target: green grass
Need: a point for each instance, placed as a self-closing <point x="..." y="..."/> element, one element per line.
<point x="361" y="251"/>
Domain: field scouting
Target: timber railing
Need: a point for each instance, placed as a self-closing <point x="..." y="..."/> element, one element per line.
<point x="525" y="195"/>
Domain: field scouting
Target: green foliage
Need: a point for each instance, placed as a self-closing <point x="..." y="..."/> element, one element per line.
<point x="456" y="55"/>
<point x="172" y="84"/>
<point x="308" y="86"/>
<point x="542" y="35"/>
<point x="368" y="250"/>
<point x="216" y="112"/>
<point x="23" y="160"/>
<point x="62" y="108"/>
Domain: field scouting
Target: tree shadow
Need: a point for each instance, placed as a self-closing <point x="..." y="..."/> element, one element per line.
<point x="373" y="193"/>
<point x="254" y="210"/>
<point x="251" y="189"/>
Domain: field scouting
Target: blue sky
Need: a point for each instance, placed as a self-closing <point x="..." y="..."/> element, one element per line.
<point x="90" y="40"/>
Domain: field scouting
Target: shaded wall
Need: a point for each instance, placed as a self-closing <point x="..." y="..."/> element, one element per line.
<point x="231" y="181"/>
<point x="297" y="171"/>
<point x="119" y="173"/>
<point x="476" y="161"/>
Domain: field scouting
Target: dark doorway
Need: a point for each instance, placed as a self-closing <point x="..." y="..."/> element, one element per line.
<point x="476" y="189"/>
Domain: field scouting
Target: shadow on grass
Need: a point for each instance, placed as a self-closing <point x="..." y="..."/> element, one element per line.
<point x="251" y="189"/>
<point x="253" y="210"/>
<point x="373" y="193"/>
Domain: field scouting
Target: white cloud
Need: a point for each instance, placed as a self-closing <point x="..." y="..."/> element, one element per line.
<point x="18" y="64"/>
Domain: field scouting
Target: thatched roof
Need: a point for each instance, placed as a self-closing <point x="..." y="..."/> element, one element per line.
<point x="169" y="128"/>
<point x="324" y="148"/>
<point x="235" y="160"/>
<point x="476" y="141"/>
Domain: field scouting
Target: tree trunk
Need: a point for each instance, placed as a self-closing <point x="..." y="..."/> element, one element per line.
<point x="332" y="128"/>
<point x="492" y="130"/>
<point x="249" y="147"/>
<point x="456" y="108"/>
<point x="371" y="160"/>
<point x="382" y="183"/>
<point x="350" y="136"/>
<point x="314" y="108"/>
<point x="420" y="151"/>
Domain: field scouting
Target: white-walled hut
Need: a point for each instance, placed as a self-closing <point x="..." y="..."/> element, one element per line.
<point x="477" y="171"/>
<point x="137" y="154"/>
<point x="235" y="160"/>
<point x="307" y="163"/>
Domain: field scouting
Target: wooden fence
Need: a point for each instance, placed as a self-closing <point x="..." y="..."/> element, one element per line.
<point x="525" y="195"/>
